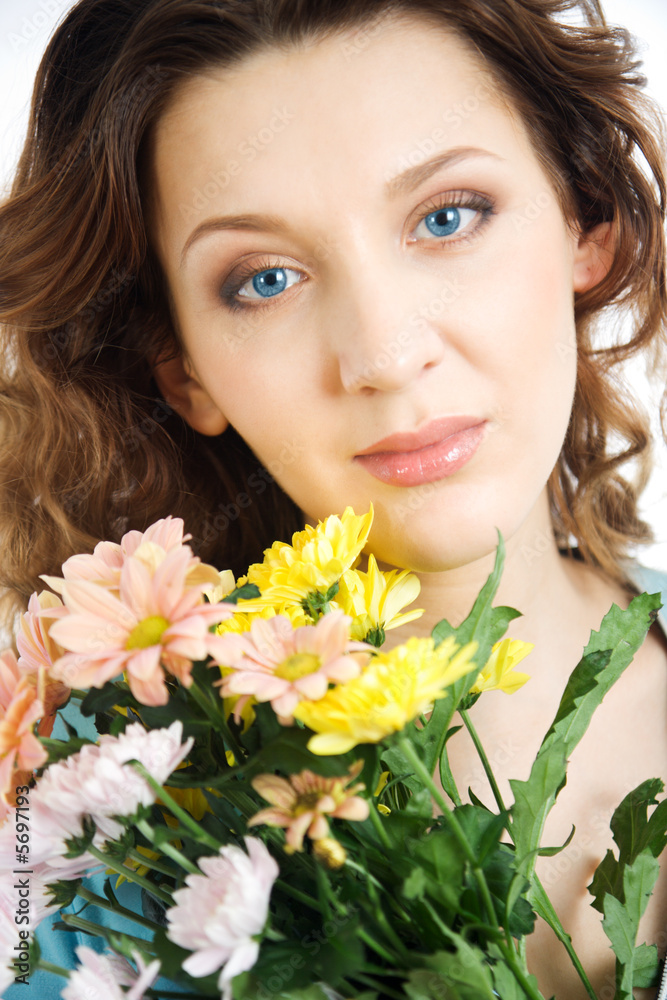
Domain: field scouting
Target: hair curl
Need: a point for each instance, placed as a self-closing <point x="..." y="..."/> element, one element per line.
<point x="89" y="449"/>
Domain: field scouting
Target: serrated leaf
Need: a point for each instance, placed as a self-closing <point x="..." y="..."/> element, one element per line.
<point x="621" y="920"/>
<point x="633" y="831"/>
<point x="532" y="801"/>
<point x="630" y="825"/>
<point x="608" y="653"/>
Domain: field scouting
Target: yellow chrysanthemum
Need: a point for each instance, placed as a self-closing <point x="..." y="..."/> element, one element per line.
<point x="242" y="620"/>
<point x="394" y="689"/>
<point x="374" y="600"/>
<point x="499" y="674"/>
<point x="316" y="559"/>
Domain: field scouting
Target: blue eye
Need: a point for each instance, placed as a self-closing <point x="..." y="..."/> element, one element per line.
<point x="267" y="279"/>
<point x="448" y="220"/>
<point x="272" y="281"/>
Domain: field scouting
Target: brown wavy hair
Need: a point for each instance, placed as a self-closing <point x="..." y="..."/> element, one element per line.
<point x="89" y="449"/>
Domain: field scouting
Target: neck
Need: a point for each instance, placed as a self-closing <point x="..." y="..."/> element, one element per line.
<point x="559" y="598"/>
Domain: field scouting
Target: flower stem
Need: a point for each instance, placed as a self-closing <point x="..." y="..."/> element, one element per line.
<point x="217" y="717"/>
<point x="544" y="907"/>
<point x="190" y="824"/>
<point x="379" y="828"/>
<point x="519" y="974"/>
<point x="130" y="875"/>
<point x="151" y="863"/>
<point x="90" y="928"/>
<point x="409" y="751"/>
<point x="55" y="970"/>
<point x="382" y="988"/>
<point x="547" y="912"/>
<point x="172" y="852"/>
<point x="468" y="723"/>
<point x="289" y="890"/>
<point x="104" y="904"/>
<point x="376" y="947"/>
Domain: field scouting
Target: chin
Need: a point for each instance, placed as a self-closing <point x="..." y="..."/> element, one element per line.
<point x="429" y="542"/>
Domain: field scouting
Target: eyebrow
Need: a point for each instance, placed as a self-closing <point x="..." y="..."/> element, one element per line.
<point x="403" y="183"/>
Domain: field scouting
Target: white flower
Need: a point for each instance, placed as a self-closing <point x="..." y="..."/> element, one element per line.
<point x="99" y="977"/>
<point x="98" y="782"/>
<point x="220" y="912"/>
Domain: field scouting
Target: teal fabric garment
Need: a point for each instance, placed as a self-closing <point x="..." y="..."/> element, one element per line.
<point x="58" y="946"/>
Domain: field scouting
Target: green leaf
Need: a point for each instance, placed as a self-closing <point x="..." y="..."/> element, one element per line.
<point x="482" y="829"/>
<point x="461" y="974"/>
<point x="621" y="920"/>
<point x="646" y="965"/>
<point x="532" y="801"/>
<point x="630" y="825"/>
<point x="606" y="656"/>
<point x="551" y="852"/>
<point x="485" y="625"/>
<point x="633" y="832"/>
<point x="505" y="983"/>
<point x="248" y="592"/>
<point x="415" y="884"/>
<point x="102" y="699"/>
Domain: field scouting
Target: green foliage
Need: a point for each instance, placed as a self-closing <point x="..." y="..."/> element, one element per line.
<point x="606" y="656"/>
<point x="248" y="592"/>
<point x="461" y="974"/>
<point x="621" y="886"/>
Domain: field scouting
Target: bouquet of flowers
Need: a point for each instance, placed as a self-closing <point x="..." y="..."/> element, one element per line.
<point x="277" y="786"/>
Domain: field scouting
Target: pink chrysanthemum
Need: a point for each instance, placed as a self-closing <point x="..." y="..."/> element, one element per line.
<point x="38" y="652"/>
<point x="159" y="620"/>
<point x="103" y="566"/>
<point x="100" y="977"/>
<point x="278" y="663"/>
<point x="302" y="802"/>
<point x="221" y="912"/>
<point x="20" y="709"/>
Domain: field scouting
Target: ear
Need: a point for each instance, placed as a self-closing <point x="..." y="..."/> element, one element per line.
<point x="183" y="391"/>
<point x="593" y="256"/>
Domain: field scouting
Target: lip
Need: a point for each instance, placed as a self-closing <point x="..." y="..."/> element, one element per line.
<point x="434" y="452"/>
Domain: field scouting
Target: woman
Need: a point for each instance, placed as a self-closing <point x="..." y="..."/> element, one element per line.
<point x="266" y="259"/>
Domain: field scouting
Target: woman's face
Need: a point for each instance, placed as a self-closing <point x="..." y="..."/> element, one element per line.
<point x="373" y="283"/>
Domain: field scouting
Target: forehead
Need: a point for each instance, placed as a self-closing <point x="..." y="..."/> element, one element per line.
<point x="337" y="114"/>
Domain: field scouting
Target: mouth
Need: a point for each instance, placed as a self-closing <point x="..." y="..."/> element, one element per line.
<point x="433" y="453"/>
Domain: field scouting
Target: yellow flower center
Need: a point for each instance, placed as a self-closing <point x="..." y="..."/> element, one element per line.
<point x="306" y="802"/>
<point x="298" y="665"/>
<point x="147" y="633"/>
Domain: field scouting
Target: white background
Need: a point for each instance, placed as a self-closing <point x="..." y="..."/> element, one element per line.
<point x="25" y="26"/>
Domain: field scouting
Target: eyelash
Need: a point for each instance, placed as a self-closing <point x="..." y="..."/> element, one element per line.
<point x="455" y="199"/>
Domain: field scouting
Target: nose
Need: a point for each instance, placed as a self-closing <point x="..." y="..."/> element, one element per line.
<point x="389" y="333"/>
